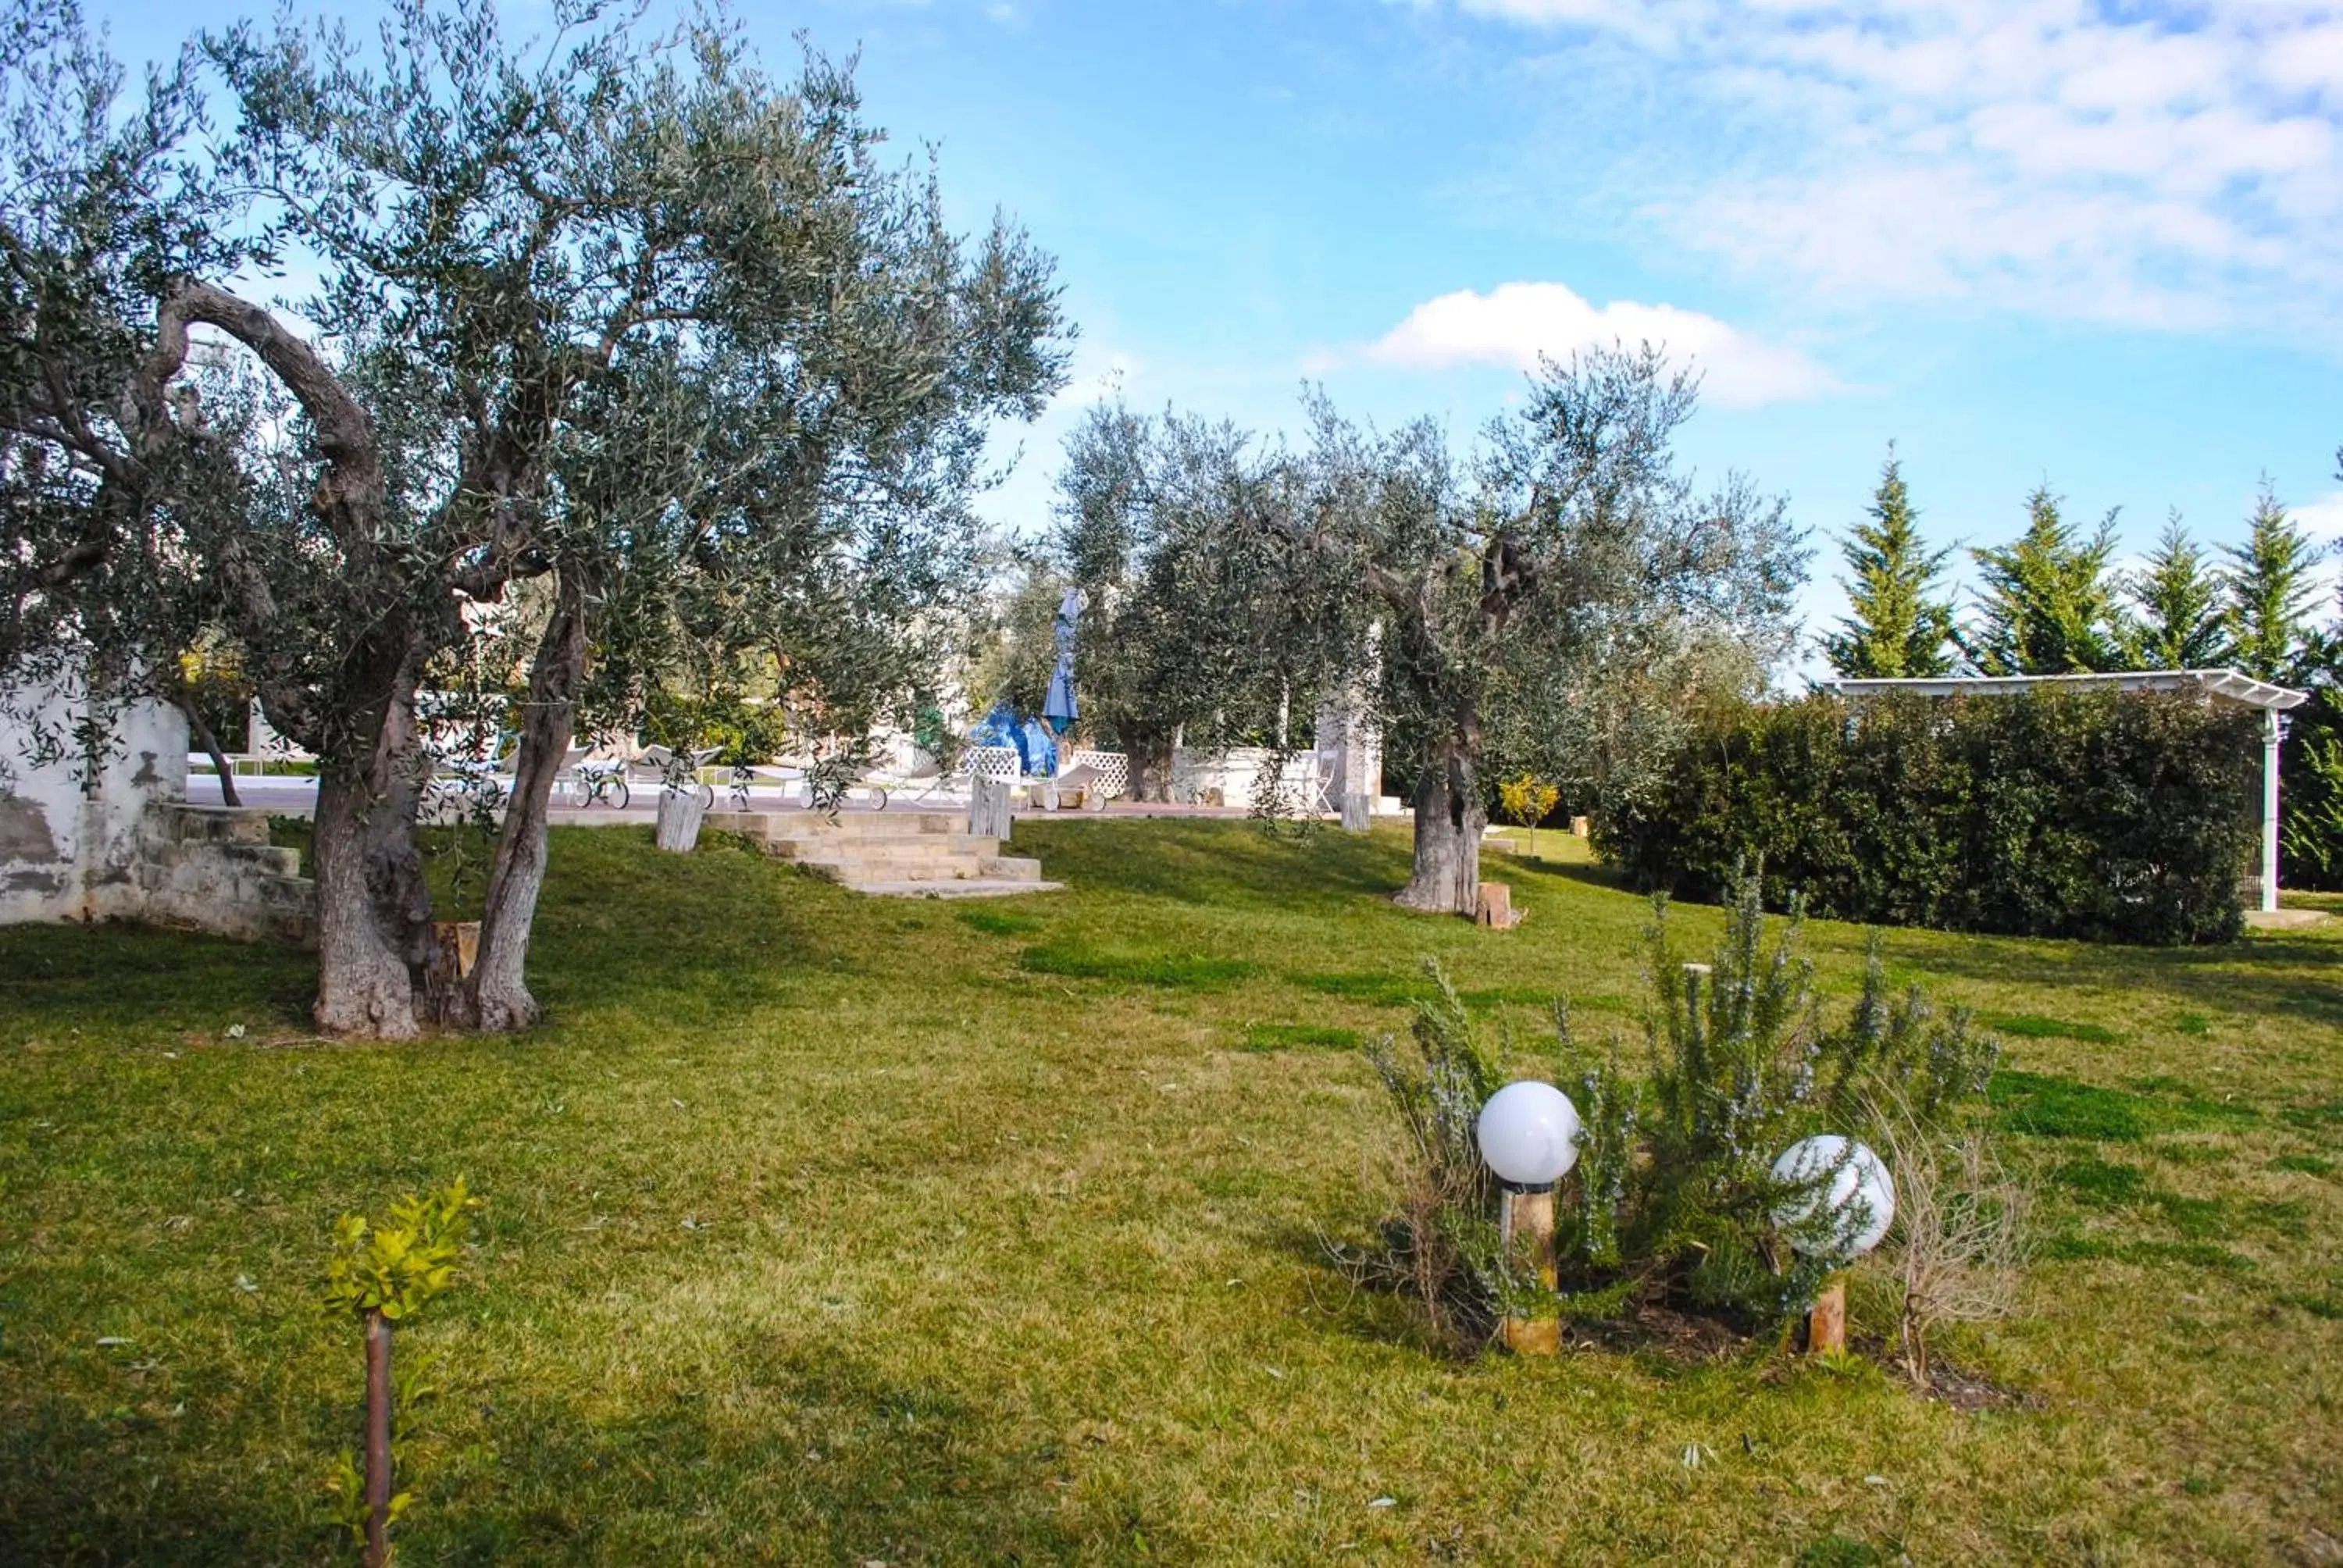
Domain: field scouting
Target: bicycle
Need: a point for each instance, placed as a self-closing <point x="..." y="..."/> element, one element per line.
<point x="599" y="786"/>
<point x="461" y="789"/>
<point x="746" y="776"/>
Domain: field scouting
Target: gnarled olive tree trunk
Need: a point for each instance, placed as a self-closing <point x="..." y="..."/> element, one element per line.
<point x="1149" y="752"/>
<point x="373" y="909"/>
<point x="496" y="995"/>
<point x="1449" y="816"/>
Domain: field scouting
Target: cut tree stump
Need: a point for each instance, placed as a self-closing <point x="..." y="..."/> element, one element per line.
<point x="988" y="809"/>
<point x="455" y="944"/>
<point x="679" y="815"/>
<point x="1495" y="907"/>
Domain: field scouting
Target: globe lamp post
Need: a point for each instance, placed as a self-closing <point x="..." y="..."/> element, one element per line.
<point x="1844" y="1181"/>
<point x="1528" y="1136"/>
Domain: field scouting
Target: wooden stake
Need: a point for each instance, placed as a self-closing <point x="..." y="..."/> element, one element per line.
<point x="378" y="1440"/>
<point x="1827" y="1324"/>
<point x="1529" y="1220"/>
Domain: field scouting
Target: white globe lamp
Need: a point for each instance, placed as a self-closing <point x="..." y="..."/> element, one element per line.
<point x="1843" y="1178"/>
<point x="1528" y="1135"/>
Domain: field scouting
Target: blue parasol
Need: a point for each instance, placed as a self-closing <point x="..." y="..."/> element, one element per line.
<point x="1059" y="707"/>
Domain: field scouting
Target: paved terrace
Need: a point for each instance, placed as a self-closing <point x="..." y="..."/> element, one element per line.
<point x="297" y="797"/>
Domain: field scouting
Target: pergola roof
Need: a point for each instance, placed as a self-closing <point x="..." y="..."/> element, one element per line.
<point x="2229" y="685"/>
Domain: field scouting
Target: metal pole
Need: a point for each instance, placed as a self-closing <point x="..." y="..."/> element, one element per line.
<point x="2270" y="736"/>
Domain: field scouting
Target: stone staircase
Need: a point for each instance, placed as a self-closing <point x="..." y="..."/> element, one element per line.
<point x="897" y="854"/>
<point x="214" y="869"/>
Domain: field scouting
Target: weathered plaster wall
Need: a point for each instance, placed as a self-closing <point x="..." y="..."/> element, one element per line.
<point x="120" y="842"/>
<point x="69" y="838"/>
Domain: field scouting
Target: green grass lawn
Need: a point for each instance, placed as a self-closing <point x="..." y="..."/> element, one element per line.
<point x="832" y="1229"/>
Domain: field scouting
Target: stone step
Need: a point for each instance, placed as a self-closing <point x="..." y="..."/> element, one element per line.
<point x="811" y="846"/>
<point x="220" y="868"/>
<point x="976" y="887"/>
<point x="896" y="854"/>
<point x="219" y="825"/>
<point x="856" y="870"/>
<point x="856" y="825"/>
<point x="266" y="859"/>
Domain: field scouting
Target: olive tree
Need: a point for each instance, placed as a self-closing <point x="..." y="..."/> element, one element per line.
<point x="1167" y="526"/>
<point x="1520" y="594"/>
<point x="610" y="321"/>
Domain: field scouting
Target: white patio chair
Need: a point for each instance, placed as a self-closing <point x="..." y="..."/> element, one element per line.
<point x="650" y="770"/>
<point x="585" y="778"/>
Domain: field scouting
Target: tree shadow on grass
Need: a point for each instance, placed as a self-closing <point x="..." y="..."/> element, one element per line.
<point x="723" y="926"/>
<point x="717" y="930"/>
<point x="78" y="1487"/>
<point x="1609" y="879"/>
<point x="1349" y="1299"/>
<point x="1215" y="862"/>
<point x="785" y="1458"/>
<point x="2258" y="976"/>
<point x="132" y="980"/>
<point x="775" y="1458"/>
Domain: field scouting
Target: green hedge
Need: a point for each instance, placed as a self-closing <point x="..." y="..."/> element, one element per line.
<point x="2310" y="855"/>
<point x="2110" y="817"/>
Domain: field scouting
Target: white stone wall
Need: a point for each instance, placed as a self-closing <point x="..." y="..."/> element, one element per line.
<point x="69" y="841"/>
<point x="1350" y="753"/>
<point x="120" y="842"/>
<point x="1240" y="775"/>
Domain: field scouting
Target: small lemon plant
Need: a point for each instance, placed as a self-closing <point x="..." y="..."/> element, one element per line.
<point x="384" y="1273"/>
<point x="1527" y="801"/>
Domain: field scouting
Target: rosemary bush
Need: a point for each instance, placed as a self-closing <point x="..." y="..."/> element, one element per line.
<point x="1444" y="1247"/>
<point x="1673" y="1201"/>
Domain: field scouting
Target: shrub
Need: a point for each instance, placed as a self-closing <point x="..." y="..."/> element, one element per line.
<point x="1960" y="1236"/>
<point x="2311" y="797"/>
<point x="1675" y="1197"/>
<point x="1444" y="1247"/>
<point x="1527" y="802"/>
<point x="2107" y="815"/>
<point x="745" y="732"/>
<point x="1673" y="1200"/>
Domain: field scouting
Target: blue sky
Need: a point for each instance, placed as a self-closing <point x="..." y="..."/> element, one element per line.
<point x="2095" y="243"/>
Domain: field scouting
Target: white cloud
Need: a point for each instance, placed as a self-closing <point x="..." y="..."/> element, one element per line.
<point x="2322" y="519"/>
<point x="2176" y="166"/>
<point x="1514" y="324"/>
<point x="1097" y="373"/>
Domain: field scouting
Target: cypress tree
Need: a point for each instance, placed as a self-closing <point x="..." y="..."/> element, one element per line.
<point x="2181" y="625"/>
<point x="1897" y="628"/>
<point x="2046" y="605"/>
<point x="2267" y="591"/>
